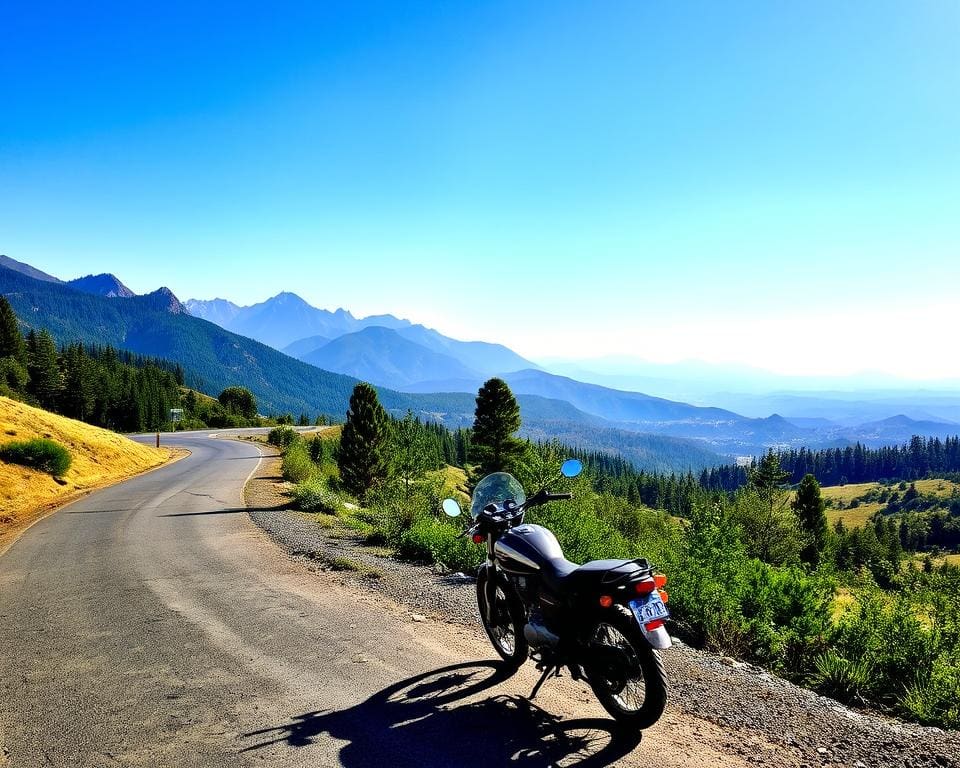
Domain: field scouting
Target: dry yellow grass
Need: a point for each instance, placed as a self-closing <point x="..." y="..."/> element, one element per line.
<point x="847" y="493"/>
<point x="919" y="557"/>
<point x="454" y="483"/>
<point x="100" y="457"/>
<point x="854" y="518"/>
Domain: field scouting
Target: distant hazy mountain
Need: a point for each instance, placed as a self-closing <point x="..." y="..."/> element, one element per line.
<point x="382" y="356"/>
<point x="26" y="269"/>
<point x="898" y="429"/>
<point x="102" y="285"/>
<point x="724" y="430"/>
<point x="284" y="319"/>
<point x="849" y="409"/>
<point x="288" y="323"/>
<point x="303" y="347"/>
<point x="479" y="356"/>
<point x="218" y="311"/>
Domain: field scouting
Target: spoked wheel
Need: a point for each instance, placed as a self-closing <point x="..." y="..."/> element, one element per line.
<point x="506" y="630"/>
<point x="626" y="674"/>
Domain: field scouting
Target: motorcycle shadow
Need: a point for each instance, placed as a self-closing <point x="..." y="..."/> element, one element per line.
<point x="425" y="721"/>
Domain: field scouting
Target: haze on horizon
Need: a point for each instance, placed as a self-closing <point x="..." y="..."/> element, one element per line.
<point x="767" y="186"/>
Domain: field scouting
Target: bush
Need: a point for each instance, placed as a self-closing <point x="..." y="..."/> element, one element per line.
<point x="44" y="455"/>
<point x="314" y="495"/>
<point x="431" y="540"/>
<point x="846" y="681"/>
<point x="281" y="436"/>
<point x="297" y="467"/>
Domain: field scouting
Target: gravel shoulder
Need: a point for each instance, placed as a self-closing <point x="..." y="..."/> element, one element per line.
<point x="743" y="711"/>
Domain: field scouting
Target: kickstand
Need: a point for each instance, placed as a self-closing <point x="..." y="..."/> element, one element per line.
<point x="554" y="670"/>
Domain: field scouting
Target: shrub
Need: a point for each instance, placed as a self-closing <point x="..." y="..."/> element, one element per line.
<point x="281" y="436"/>
<point x="314" y="495"/>
<point x="44" y="455"/>
<point x="431" y="540"/>
<point x="846" y="681"/>
<point x="935" y="700"/>
<point x="297" y="466"/>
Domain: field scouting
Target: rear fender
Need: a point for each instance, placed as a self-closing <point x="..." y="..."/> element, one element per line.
<point x="658" y="638"/>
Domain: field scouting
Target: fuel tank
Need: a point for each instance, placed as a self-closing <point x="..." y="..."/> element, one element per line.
<point x="524" y="549"/>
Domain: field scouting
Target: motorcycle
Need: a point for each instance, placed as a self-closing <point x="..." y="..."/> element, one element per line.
<point x="603" y="620"/>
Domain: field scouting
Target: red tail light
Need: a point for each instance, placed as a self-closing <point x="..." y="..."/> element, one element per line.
<point x="478" y="538"/>
<point x="645" y="587"/>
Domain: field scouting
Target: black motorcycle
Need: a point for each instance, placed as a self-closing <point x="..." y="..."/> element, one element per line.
<point x="604" y="620"/>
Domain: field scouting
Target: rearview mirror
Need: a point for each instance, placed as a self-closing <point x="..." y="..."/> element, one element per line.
<point x="571" y="468"/>
<point x="451" y="508"/>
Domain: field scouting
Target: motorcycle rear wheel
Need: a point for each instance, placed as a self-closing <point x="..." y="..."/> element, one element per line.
<point x="506" y="635"/>
<point x="626" y="674"/>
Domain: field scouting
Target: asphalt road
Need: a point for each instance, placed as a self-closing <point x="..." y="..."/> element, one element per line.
<point x="152" y="624"/>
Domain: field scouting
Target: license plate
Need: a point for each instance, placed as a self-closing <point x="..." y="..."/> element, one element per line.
<point x="649" y="609"/>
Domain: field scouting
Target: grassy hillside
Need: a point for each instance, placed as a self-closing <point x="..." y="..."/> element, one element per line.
<point x="842" y="495"/>
<point x="100" y="457"/>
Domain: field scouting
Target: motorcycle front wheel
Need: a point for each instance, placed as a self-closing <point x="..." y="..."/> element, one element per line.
<point x="506" y="632"/>
<point x="626" y="674"/>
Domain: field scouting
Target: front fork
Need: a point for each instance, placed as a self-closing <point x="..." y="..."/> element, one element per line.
<point x="490" y="585"/>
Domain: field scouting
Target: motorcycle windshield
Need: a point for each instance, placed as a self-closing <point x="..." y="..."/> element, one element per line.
<point x="497" y="488"/>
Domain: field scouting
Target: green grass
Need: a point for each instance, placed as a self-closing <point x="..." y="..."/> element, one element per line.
<point x="346" y="564"/>
<point x="40" y="454"/>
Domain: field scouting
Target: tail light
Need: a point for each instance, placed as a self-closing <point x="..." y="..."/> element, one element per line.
<point x="645" y="587"/>
<point x="654" y="625"/>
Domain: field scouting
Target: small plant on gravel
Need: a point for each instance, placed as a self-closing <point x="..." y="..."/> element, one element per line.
<point x="41" y="454"/>
<point x="844" y="680"/>
<point x="314" y="495"/>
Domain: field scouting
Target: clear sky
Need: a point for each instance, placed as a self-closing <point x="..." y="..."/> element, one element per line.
<point x="770" y="183"/>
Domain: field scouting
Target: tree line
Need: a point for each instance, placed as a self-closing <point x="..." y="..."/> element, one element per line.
<point x="106" y="387"/>
<point x="921" y="457"/>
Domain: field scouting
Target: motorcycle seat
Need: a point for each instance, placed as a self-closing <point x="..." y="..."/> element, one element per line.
<point x="561" y="576"/>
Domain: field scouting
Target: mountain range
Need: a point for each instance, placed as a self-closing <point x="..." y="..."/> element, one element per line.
<point x="414" y="367"/>
<point x="158" y="325"/>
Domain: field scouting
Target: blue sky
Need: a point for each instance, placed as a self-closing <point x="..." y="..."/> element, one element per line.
<point x="775" y="184"/>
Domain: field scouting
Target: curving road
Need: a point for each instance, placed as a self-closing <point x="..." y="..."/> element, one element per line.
<point x="152" y="624"/>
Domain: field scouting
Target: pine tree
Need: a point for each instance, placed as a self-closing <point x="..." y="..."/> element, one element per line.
<point x="493" y="447"/>
<point x="768" y="475"/>
<point x="77" y="399"/>
<point x="363" y="442"/>
<point x="810" y="510"/>
<point x="411" y="452"/>
<point x="42" y="367"/>
<point x="11" y="340"/>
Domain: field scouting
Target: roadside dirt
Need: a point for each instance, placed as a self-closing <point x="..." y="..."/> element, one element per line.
<point x="722" y="712"/>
